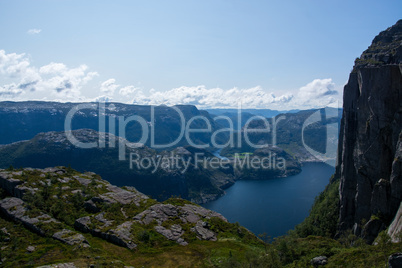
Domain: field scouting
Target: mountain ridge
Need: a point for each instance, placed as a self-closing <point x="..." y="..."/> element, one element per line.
<point x="195" y="182"/>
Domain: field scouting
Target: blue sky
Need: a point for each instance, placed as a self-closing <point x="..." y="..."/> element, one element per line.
<point x="265" y="54"/>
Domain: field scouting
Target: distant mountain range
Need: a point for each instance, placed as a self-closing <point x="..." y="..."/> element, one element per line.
<point x="190" y="173"/>
<point x="24" y="120"/>
<point x="245" y="115"/>
<point x="260" y="112"/>
<point x="316" y="141"/>
<point x="36" y="133"/>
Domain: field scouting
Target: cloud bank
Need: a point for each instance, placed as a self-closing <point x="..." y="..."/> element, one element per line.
<point x="59" y="82"/>
<point x="55" y="79"/>
<point x="213" y="97"/>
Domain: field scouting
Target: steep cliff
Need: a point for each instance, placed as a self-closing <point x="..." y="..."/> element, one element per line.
<point x="369" y="152"/>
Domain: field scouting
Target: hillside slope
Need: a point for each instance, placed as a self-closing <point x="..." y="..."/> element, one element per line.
<point x="63" y="215"/>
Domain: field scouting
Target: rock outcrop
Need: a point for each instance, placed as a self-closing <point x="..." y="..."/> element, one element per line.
<point x="63" y="205"/>
<point x="370" y="141"/>
<point x="42" y="224"/>
<point x="395" y="260"/>
<point x="12" y="185"/>
<point x="15" y="209"/>
<point x="190" y="215"/>
<point x="187" y="214"/>
<point x="70" y="238"/>
<point x="54" y="198"/>
<point x="395" y="229"/>
<point x="319" y="261"/>
<point x="120" y="235"/>
<point x="168" y="220"/>
<point x="115" y="195"/>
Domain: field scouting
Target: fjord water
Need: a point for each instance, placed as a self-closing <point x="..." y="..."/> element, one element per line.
<point x="273" y="206"/>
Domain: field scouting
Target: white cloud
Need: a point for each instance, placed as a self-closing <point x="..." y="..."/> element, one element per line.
<point x="34" y="31"/>
<point x="12" y="65"/>
<point x="53" y="68"/>
<point x="213" y="97"/>
<point x="103" y="98"/>
<point x="56" y="81"/>
<point x="127" y="91"/>
<point x="109" y="86"/>
<point x="55" y="78"/>
<point x="9" y="91"/>
<point x="318" y="93"/>
<point x="318" y="88"/>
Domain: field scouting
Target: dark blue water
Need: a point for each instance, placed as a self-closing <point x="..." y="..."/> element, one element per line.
<point x="273" y="206"/>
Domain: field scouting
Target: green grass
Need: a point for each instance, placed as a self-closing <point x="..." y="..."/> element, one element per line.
<point x="323" y="217"/>
<point x="235" y="245"/>
<point x="157" y="252"/>
<point x="298" y="252"/>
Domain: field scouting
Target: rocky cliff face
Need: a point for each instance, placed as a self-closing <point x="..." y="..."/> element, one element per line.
<point x="370" y="141"/>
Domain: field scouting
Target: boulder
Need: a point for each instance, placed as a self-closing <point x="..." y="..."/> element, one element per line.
<point x="8" y="183"/>
<point x="82" y="224"/>
<point x="15" y="209"/>
<point x="121" y="235"/>
<point x="319" y="261"/>
<point x="90" y="206"/>
<point x="116" y="195"/>
<point x="125" y="197"/>
<point x="202" y="232"/>
<point x="174" y="233"/>
<point x="395" y="260"/>
<point x="187" y="214"/>
<point x="158" y="213"/>
<point x="71" y="238"/>
<point x="193" y="213"/>
<point x="83" y="181"/>
<point x="30" y="249"/>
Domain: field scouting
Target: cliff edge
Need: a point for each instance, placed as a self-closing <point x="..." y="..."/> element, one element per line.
<point x="370" y="141"/>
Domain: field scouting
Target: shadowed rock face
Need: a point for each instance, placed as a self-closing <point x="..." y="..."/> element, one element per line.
<point x="369" y="151"/>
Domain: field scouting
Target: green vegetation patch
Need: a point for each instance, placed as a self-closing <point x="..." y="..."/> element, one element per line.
<point x="324" y="215"/>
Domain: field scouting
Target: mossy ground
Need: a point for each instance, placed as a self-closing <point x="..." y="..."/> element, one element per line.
<point x="104" y="254"/>
<point x="235" y="247"/>
<point x="65" y="201"/>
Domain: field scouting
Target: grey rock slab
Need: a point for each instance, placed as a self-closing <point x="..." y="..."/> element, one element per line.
<point x="70" y="237"/>
<point x="319" y="261"/>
